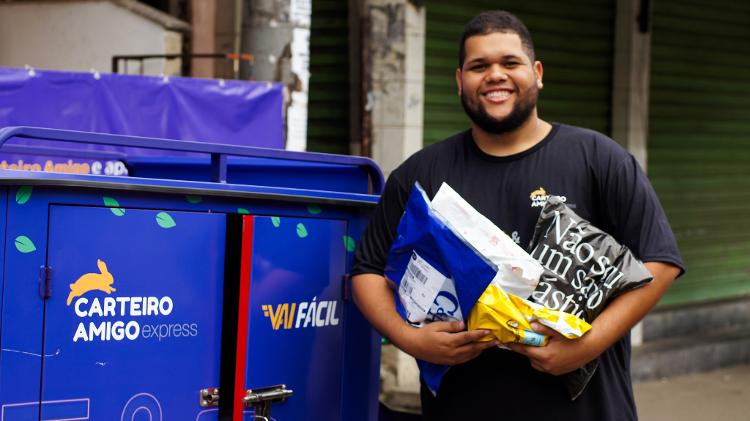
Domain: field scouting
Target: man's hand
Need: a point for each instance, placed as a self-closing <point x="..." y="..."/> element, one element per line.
<point x="563" y="355"/>
<point x="560" y="356"/>
<point x="439" y="342"/>
<point x="445" y="343"/>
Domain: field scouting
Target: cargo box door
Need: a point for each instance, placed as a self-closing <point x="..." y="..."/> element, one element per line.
<point x="296" y="314"/>
<point x="133" y="323"/>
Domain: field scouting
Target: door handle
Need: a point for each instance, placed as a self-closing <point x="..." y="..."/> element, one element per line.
<point x="262" y="398"/>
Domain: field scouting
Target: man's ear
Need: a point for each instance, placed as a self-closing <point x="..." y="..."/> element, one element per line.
<point x="459" y="85"/>
<point x="539" y="70"/>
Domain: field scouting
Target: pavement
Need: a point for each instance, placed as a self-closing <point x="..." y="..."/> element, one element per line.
<point x="718" y="395"/>
<point x="714" y="396"/>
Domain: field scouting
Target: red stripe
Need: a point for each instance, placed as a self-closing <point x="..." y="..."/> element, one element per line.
<point x="243" y="318"/>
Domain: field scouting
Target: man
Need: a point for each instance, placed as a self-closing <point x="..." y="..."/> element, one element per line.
<point x="506" y="166"/>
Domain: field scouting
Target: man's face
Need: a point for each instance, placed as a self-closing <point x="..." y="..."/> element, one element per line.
<point x="498" y="83"/>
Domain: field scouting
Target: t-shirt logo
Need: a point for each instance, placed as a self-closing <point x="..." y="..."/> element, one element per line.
<point x="539" y="197"/>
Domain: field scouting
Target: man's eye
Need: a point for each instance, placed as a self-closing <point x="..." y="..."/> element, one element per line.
<point x="512" y="64"/>
<point x="478" y="67"/>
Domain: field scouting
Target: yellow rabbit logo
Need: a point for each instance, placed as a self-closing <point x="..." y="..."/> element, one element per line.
<point x="92" y="281"/>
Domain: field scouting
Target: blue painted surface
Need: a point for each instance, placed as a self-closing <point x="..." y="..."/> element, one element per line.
<point x="217" y="152"/>
<point x="211" y="414"/>
<point x="293" y="271"/>
<point x="3" y="214"/>
<point x="357" y="349"/>
<point x="66" y="410"/>
<point x="257" y="171"/>
<point x="133" y="183"/>
<point x="21" y="411"/>
<point x="174" y="352"/>
<point x="20" y="358"/>
<point x="361" y="350"/>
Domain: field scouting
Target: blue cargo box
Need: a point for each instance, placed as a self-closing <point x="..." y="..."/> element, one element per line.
<point x="129" y="298"/>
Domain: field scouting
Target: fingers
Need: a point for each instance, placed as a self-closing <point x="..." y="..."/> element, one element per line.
<point x="448" y="343"/>
<point x="459" y="335"/>
<point x="544" y="330"/>
<point x="450" y="327"/>
<point x="531" y="353"/>
<point x="485" y="345"/>
<point x="519" y="348"/>
<point x="471" y="336"/>
<point x="471" y="350"/>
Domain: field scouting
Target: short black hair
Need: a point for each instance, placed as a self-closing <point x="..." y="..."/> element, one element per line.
<point x="493" y="21"/>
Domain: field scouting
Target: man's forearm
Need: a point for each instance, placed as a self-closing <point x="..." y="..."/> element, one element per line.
<point x="374" y="297"/>
<point x="629" y="308"/>
<point x="565" y="355"/>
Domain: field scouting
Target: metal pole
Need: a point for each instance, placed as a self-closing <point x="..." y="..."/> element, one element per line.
<point x="237" y="36"/>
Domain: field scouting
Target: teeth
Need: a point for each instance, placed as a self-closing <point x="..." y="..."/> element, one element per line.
<point x="498" y="94"/>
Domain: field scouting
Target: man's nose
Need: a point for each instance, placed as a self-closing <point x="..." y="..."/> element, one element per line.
<point x="497" y="73"/>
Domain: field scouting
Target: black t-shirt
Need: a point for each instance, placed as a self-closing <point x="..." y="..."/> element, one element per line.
<point x="602" y="183"/>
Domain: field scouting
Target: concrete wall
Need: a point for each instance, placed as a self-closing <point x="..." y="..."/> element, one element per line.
<point x="630" y="91"/>
<point x="228" y="35"/>
<point x="81" y="35"/>
<point x="277" y="33"/>
<point x="395" y="104"/>
<point x="396" y="101"/>
<point x="203" y="37"/>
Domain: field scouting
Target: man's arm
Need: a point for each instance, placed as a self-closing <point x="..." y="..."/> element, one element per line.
<point x="563" y="355"/>
<point x="438" y="342"/>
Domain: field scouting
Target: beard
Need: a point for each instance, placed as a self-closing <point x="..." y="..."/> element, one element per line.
<point x="518" y="115"/>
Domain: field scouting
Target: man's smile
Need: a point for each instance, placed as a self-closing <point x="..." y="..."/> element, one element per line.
<point x="497" y="96"/>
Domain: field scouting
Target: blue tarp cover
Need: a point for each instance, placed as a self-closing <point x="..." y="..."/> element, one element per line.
<point x="233" y="112"/>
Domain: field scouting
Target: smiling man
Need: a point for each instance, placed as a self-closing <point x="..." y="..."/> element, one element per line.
<point x="506" y="166"/>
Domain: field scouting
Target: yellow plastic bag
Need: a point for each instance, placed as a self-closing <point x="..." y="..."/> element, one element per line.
<point x="509" y="318"/>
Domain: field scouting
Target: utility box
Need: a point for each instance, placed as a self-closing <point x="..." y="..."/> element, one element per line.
<point x="129" y="298"/>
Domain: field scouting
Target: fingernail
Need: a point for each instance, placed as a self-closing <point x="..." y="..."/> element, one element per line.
<point x="486" y="332"/>
<point x="536" y="326"/>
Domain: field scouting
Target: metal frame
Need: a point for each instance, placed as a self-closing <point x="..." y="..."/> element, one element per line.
<point x="218" y="152"/>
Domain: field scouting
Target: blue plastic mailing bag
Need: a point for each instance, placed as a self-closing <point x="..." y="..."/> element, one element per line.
<point x="439" y="277"/>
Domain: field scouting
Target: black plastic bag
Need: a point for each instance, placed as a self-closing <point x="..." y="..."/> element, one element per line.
<point x="584" y="269"/>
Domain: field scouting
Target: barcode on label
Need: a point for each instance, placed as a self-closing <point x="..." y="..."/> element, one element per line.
<point x="419" y="286"/>
<point x="414" y="270"/>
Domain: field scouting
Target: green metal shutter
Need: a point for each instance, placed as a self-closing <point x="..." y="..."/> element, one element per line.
<point x="699" y="141"/>
<point x="574" y="40"/>
<point x="328" y="104"/>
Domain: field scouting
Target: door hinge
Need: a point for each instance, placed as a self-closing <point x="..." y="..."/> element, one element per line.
<point x="45" y="281"/>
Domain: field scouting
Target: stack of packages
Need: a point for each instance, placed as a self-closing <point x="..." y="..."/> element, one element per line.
<point x="449" y="260"/>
